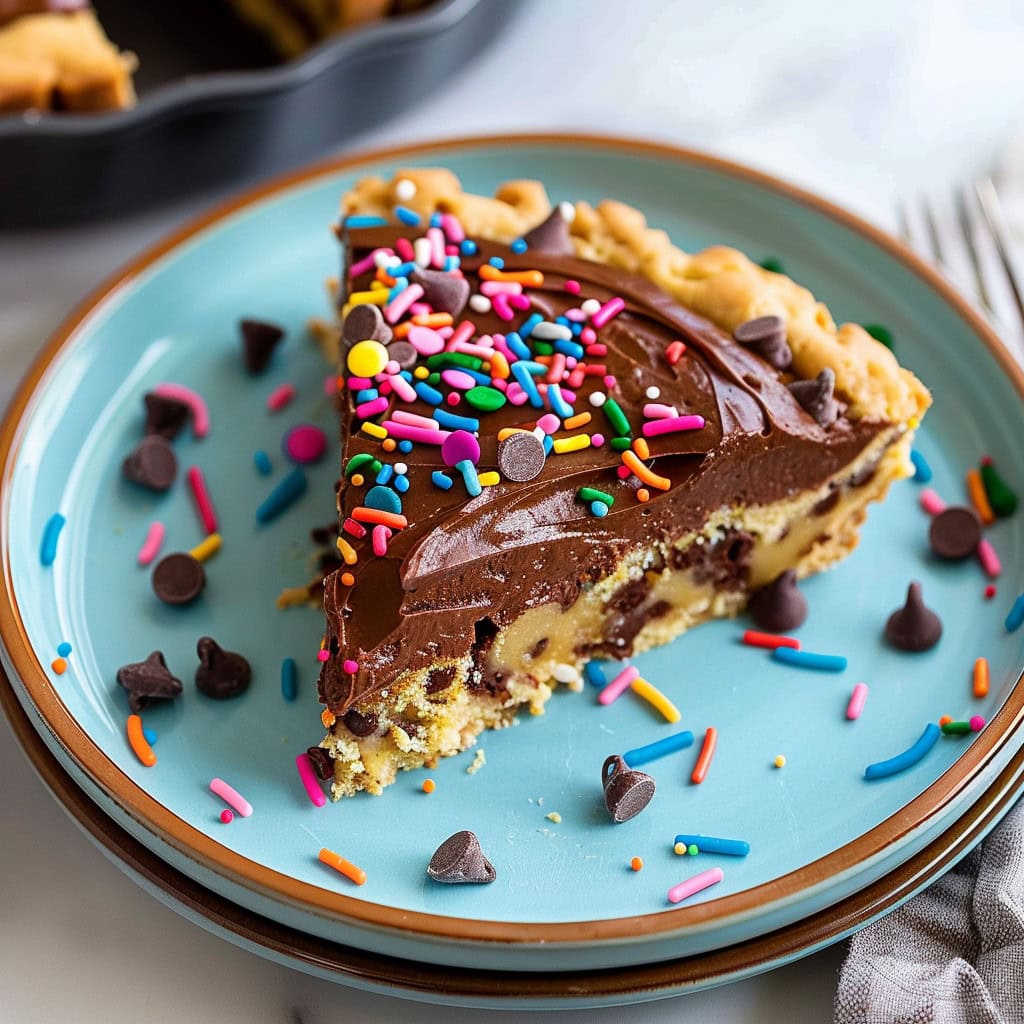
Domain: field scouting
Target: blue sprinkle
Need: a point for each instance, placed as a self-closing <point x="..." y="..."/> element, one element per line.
<point x="64" y="649"/>
<point x="1016" y="616"/>
<point x="48" y="547"/>
<point x="659" y="748"/>
<point x="549" y="443"/>
<point x="497" y="262"/>
<point x="364" y="221"/>
<point x="808" y="659"/>
<point x="480" y="378"/>
<point x="559" y="406"/>
<point x="467" y="247"/>
<point x="385" y="474"/>
<point x="287" y="492"/>
<point x="403" y="270"/>
<point x="435" y="220"/>
<point x="712" y="844"/>
<point x="401" y="283"/>
<point x="569" y="348"/>
<point x="366" y="395"/>
<point x="563" y="320"/>
<point x="262" y="462"/>
<point x="450" y="421"/>
<point x="599" y="509"/>
<point x="406" y="375"/>
<point x="441" y="480"/>
<point x="922" y="471"/>
<point x="594" y="674"/>
<point x="401" y="484"/>
<point x="521" y="371"/>
<point x="909" y="757"/>
<point x="577" y="328"/>
<point x="289" y="680"/>
<point x="384" y="499"/>
<point x="405" y="446"/>
<point x="150" y="735"/>
<point x="515" y="342"/>
<point x="429" y="394"/>
<point x="519" y="246"/>
<point x="531" y="321"/>
<point x="407" y="216"/>
<point x="469" y="477"/>
<point x="451" y="263"/>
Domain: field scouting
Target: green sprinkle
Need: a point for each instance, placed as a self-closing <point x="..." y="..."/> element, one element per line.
<point x="880" y="333"/>
<point x="443" y="360"/>
<point x="543" y="348"/>
<point x="1000" y="497"/>
<point x="956" y="728"/>
<point x="693" y="849"/>
<point x="434" y="379"/>
<point x="617" y="418"/>
<point x="485" y="398"/>
<point x="773" y="264"/>
<point x="620" y="444"/>
<point x="359" y="461"/>
<point x="589" y="494"/>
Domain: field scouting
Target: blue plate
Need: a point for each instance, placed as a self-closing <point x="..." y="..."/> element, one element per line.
<point x="565" y="897"/>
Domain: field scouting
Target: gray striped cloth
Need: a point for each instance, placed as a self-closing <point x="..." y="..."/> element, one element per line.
<point x="954" y="954"/>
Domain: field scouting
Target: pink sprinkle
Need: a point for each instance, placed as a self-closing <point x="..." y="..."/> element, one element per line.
<point x="977" y="723"/>
<point x="463" y="332"/>
<point x="453" y="398"/>
<point x="367" y="263"/>
<point x="226" y="816"/>
<point x="420" y="435"/>
<point x="492" y="288"/>
<point x="420" y="309"/>
<point x="452" y="227"/>
<point x="458" y="379"/>
<point x="655" y="411"/>
<point x="413" y="419"/>
<point x="857" y="699"/>
<point x="516" y="395"/>
<point x="931" y="502"/>
<point x="323" y="654"/>
<point x="195" y="402"/>
<point x="499" y="383"/>
<point x="556" y="368"/>
<point x="451" y="250"/>
<point x="619" y="685"/>
<point x="610" y="381"/>
<point x="470" y="350"/>
<point x="354" y="529"/>
<point x="231" y="796"/>
<point x="381" y="536"/>
<point x="576" y="378"/>
<point x="398" y="306"/>
<point x="694" y="885"/>
<point x="595" y="349"/>
<point x="611" y="308"/>
<point x="672" y="425"/>
<point x="305" y="443"/>
<point x="330" y="385"/>
<point x="350" y="666"/>
<point x="393" y="367"/>
<point x="280" y="397"/>
<point x="403" y="388"/>
<point x="151" y="545"/>
<point x="358" y="383"/>
<point x="588" y="336"/>
<point x="520" y="302"/>
<point x="498" y="341"/>
<point x="988" y="558"/>
<point x="573" y="287"/>
<point x="549" y="423"/>
<point x="374" y="407"/>
<point x="575" y="315"/>
<point x="500" y="305"/>
<point x="201" y="495"/>
<point x="597" y="440"/>
<point x="309" y="780"/>
<point x="405" y="250"/>
<point x="436" y="238"/>
<point x="622" y="472"/>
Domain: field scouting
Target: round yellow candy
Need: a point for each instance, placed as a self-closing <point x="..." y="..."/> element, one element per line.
<point x="366" y="358"/>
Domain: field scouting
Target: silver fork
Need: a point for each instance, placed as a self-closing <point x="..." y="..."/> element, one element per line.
<point x="966" y="234"/>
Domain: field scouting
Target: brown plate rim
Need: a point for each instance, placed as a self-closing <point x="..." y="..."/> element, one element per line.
<point x="168" y="828"/>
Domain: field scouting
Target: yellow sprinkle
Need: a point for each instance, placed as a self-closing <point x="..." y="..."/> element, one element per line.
<point x="377" y="297"/>
<point x="913" y="423"/>
<point x="679" y="848"/>
<point x="581" y="419"/>
<point x="366" y="358"/>
<point x="641" y="447"/>
<point x="489" y="479"/>
<point x="656" y="699"/>
<point x="374" y="430"/>
<point x="347" y="551"/>
<point x="780" y="761"/>
<point x="576" y="443"/>
<point x="204" y="549"/>
<point x="555" y="817"/>
<point x="376" y="285"/>
<point x="507" y="432"/>
<point x="421" y="373"/>
<point x="292" y="596"/>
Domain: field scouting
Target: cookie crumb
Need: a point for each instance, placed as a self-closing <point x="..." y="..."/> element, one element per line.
<point x="555" y="817"/>
<point x="479" y="760"/>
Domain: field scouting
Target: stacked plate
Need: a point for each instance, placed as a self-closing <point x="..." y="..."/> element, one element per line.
<point x="567" y="920"/>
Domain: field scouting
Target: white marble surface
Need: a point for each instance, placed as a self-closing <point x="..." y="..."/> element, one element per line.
<point x="861" y="101"/>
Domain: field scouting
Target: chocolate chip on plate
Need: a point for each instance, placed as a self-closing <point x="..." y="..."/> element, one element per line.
<point x="221" y="674"/>
<point x="459" y="859"/>
<point x="955" y="532"/>
<point x="779" y="606"/>
<point x="166" y="416"/>
<point x="152" y="464"/>
<point x="626" y="791"/>
<point x="178" y="578"/>
<point x="520" y="457"/>
<point x="147" y="681"/>
<point x="259" y="339"/>
<point x="913" y="627"/>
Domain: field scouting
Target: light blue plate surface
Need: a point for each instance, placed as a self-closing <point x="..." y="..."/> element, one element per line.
<point x="177" y="322"/>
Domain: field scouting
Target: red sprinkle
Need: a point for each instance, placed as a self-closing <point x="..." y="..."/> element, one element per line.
<point x="280" y="397"/>
<point x="990" y="592"/>
<point x="675" y="352"/>
<point x="201" y="495"/>
<point x="354" y="529"/>
<point x="752" y="638"/>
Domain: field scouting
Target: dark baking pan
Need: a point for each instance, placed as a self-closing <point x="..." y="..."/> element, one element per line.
<point x="214" y="106"/>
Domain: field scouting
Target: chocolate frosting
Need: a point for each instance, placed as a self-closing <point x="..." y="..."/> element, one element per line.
<point x="466" y="567"/>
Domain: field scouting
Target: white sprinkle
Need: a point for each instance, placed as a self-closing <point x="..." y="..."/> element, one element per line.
<point x="401" y="468"/>
<point x="479" y="303"/>
<point x="547" y="331"/>
<point x="653" y="393"/>
<point x="590" y="306"/>
<point x="479" y="760"/>
<point x="564" y="673"/>
<point x="405" y="190"/>
<point x="422" y="251"/>
<point x="382" y="258"/>
<point x="568" y="212"/>
<point x="597" y="399"/>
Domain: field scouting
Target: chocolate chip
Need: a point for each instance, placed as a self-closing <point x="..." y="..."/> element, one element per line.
<point x="551" y="235"/>
<point x="259" y="339"/>
<point x="445" y="292"/>
<point x="221" y="674"/>
<point x="165" y="416"/>
<point x="826" y="505"/>
<point x="626" y="791"/>
<point x="766" y="335"/>
<point x="913" y="627"/>
<point x="364" y="322"/>
<point x="955" y="532"/>
<point x="539" y="647"/>
<point x="360" y="723"/>
<point x="815" y="396"/>
<point x="152" y="464"/>
<point x="403" y="353"/>
<point x="147" y="681"/>
<point x="779" y="606"/>
<point x="323" y="763"/>
<point x="520" y="457"/>
<point x="440" y="679"/>
<point x="459" y="859"/>
<point x="178" y="578"/>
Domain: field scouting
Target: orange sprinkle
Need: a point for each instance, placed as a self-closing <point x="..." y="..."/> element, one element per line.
<point x="433" y="320"/>
<point x="349" y="870"/>
<point x="401" y="330"/>
<point x="635" y="466"/>
<point x="529" y="278"/>
<point x="707" y="752"/>
<point x="945" y="720"/>
<point x="637" y="863"/>
<point x="347" y="551"/>
<point x="59" y="665"/>
<point x="543" y="360"/>
<point x="499" y="366"/>
<point x="143" y="751"/>
<point x="981" y="677"/>
<point x="362" y="514"/>
<point x="357" y="478"/>
<point x="643" y="495"/>
<point x="581" y="419"/>
<point x="347" y="579"/>
<point x="428" y="786"/>
<point x="384" y="277"/>
<point x="507" y="432"/>
<point x="389" y="444"/>
<point x="641" y="447"/>
<point x="327" y="718"/>
<point x="979" y="499"/>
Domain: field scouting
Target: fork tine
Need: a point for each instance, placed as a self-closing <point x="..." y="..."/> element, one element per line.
<point x="967" y="228"/>
<point x="992" y="212"/>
